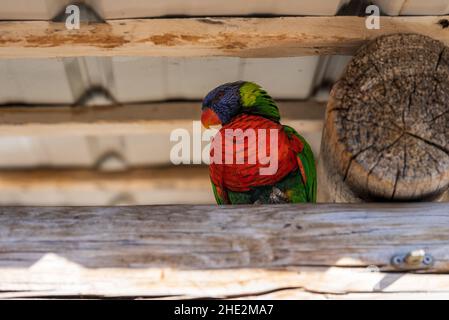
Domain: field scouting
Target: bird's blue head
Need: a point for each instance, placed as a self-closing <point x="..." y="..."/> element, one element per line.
<point x="221" y="104"/>
<point x="225" y="102"/>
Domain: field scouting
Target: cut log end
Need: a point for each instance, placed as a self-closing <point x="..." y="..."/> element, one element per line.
<point x="386" y="132"/>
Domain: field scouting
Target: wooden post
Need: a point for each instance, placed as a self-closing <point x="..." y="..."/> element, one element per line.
<point x="386" y="131"/>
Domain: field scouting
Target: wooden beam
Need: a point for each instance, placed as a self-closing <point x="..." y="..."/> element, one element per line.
<point x="305" y="116"/>
<point x="238" y="37"/>
<point x="211" y="251"/>
<point x="74" y="187"/>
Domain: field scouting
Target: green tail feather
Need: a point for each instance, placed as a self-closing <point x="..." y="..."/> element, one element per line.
<point x="218" y="198"/>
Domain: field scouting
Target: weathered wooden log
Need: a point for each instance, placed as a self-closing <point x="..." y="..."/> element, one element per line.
<point x="386" y="131"/>
<point x="198" y="37"/>
<point x="210" y="251"/>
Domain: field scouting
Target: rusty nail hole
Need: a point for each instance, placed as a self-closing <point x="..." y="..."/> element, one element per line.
<point x="444" y="23"/>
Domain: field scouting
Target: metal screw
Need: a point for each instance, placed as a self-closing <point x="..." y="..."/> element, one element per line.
<point x="428" y="260"/>
<point x="413" y="260"/>
<point x="397" y="260"/>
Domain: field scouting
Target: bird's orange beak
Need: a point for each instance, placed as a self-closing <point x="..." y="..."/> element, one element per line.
<point x="209" y="118"/>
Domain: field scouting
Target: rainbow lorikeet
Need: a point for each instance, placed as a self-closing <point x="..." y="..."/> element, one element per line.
<point x="254" y="158"/>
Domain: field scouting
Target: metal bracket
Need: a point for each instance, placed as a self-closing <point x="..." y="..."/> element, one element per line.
<point x="414" y="260"/>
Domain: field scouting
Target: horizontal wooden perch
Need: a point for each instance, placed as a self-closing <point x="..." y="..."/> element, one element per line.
<point x="211" y="251"/>
<point x="239" y="37"/>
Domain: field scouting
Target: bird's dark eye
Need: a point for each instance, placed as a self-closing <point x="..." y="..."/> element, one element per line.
<point x="218" y="97"/>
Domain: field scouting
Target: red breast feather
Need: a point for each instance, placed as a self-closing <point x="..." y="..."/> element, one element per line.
<point x="241" y="177"/>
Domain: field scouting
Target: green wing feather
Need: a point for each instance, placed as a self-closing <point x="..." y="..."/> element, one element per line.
<point x="308" y="161"/>
<point x="257" y="101"/>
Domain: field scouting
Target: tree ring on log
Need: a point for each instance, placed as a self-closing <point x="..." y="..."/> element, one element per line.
<point x="387" y="120"/>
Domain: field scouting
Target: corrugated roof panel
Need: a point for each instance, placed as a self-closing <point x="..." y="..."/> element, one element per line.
<point x="413" y="7"/>
<point x="34" y="81"/>
<point x="143" y="8"/>
<point x="109" y="9"/>
<point x="64" y="81"/>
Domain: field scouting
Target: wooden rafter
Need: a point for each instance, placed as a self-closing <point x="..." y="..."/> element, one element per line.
<point x="239" y="37"/>
<point x="305" y="116"/>
<point x="166" y="185"/>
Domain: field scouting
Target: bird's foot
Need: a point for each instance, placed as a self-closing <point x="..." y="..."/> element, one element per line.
<point x="278" y="197"/>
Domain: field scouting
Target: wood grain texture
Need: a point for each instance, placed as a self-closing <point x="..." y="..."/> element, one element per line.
<point x="304" y="294"/>
<point x="210" y="251"/>
<point x="385" y="133"/>
<point x="305" y="116"/>
<point x="239" y="37"/>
